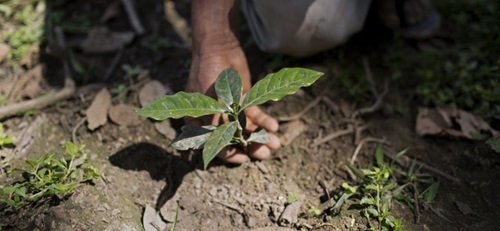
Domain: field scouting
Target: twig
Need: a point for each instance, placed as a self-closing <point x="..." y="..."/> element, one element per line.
<point x="357" y="133"/>
<point x="132" y="16"/>
<point x="351" y="174"/>
<point x="425" y="166"/>
<point x="306" y="109"/>
<point x="78" y="125"/>
<point x="178" y="22"/>
<point x="67" y="91"/>
<point x="415" y="201"/>
<point x="332" y="105"/>
<point x="230" y="206"/>
<point x="378" y="103"/>
<point x="322" y="183"/>
<point x="369" y="75"/>
<point x="334" y="135"/>
<point x="114" y="62"/>
<point x="360" y="145"/>
<point x="324" y="225"/>
<point x="376" y="106"/>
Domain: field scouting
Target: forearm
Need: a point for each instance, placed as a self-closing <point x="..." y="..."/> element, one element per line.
<point x="215" y="25"/>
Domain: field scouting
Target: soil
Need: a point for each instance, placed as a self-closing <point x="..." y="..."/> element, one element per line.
<point x="138" y="167"/>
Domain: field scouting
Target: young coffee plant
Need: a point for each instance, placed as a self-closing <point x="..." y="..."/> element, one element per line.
<point x="48" y="176"/>
<point x="229" y="90"/>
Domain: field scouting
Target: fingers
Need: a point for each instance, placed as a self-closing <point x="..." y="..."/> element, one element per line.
<point x="233" y="155"/>
<point x="256" y="151"/>
<point x="257" y="118"/>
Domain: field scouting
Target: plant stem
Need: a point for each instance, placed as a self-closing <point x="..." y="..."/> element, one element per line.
<point x="68" y="170"/>
<point x="239" y="132"/>
<point x="378" y="208"/>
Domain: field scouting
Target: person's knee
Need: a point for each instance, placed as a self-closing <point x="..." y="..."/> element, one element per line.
<point x="304" y="27"/>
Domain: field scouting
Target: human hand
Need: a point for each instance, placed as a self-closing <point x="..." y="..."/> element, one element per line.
<point x="205" y="68"/>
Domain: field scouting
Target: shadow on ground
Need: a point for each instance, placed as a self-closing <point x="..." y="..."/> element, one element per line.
<point x="160" y="164"/>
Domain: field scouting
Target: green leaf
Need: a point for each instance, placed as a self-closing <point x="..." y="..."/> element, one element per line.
<point x="430" y="193"/>
<point x="174" y="224"/>
<point x="260" y="136"/>
<point x="494" y="144"/>
<point x="439" y="214"/>
<point x="277" y="85"/>
<point x="356" y="171"/>
<point x="31" y="163"/>
<point x="229" y="87"/>
<point x="372" y="211"/>
<point x="366" y="200"/>
<point x="389" y="187"/>
<point x="192" y="137"/>
<point x="8" y="190"/>
<point x="73" y="149"/>
<point x="343" y="198"/>
<point x="181" y="104"/>
<point x="220" y="138"/>
<point x="350" y="189"/>
<point x="372" y="187"/>
<point x="21" y="191"/>
<point x="379" y="156"/>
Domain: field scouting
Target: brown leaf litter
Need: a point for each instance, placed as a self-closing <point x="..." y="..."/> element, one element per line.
<point x="451" y="122"/>
<point x="97" y="113"/>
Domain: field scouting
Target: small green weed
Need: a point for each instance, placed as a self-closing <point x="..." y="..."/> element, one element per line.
<point x="48" y="176"/>
<point x="26" y="28"/>
<point x="464" y="72"/>
<point x="132" y="71"/>
<point x="4" y="139"/>
<point x="157" y="43"/>
<point x="382" y="186"/>
<point x="121" y="91"/>
<point x="494" y="144"/>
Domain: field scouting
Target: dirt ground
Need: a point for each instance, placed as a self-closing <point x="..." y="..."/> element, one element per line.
<point x="139" y="169"/>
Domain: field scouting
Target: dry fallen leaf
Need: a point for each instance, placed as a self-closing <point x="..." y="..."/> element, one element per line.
<point x="165" y="129"/>
<point x="151" y="220"/>
<point x="101" y="40"/>
<point x="111" y="11"/>
<point x="448" y="121"/>
<point x="6" y="85"/>
<point x="151" y="91"/>
<point x="30" y="56"/>
<point x="464" y="208"/>
<point x="4" y="51"/>
<point x="97" y="113"/>
<point x="30" y="77"/>
<point x="124" y="115"/>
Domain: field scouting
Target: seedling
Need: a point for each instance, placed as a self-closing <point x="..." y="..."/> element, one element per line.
<point x="48" y="176"/>
<point x="229" y="90"/>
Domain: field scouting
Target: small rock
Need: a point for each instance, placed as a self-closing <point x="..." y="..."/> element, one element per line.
<point x="165" y="129"/>
<point x="464" y="208"/>
<point x="151" y="91"/>
<point x="124" y="115"/>
<point x="115" y="212"/>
